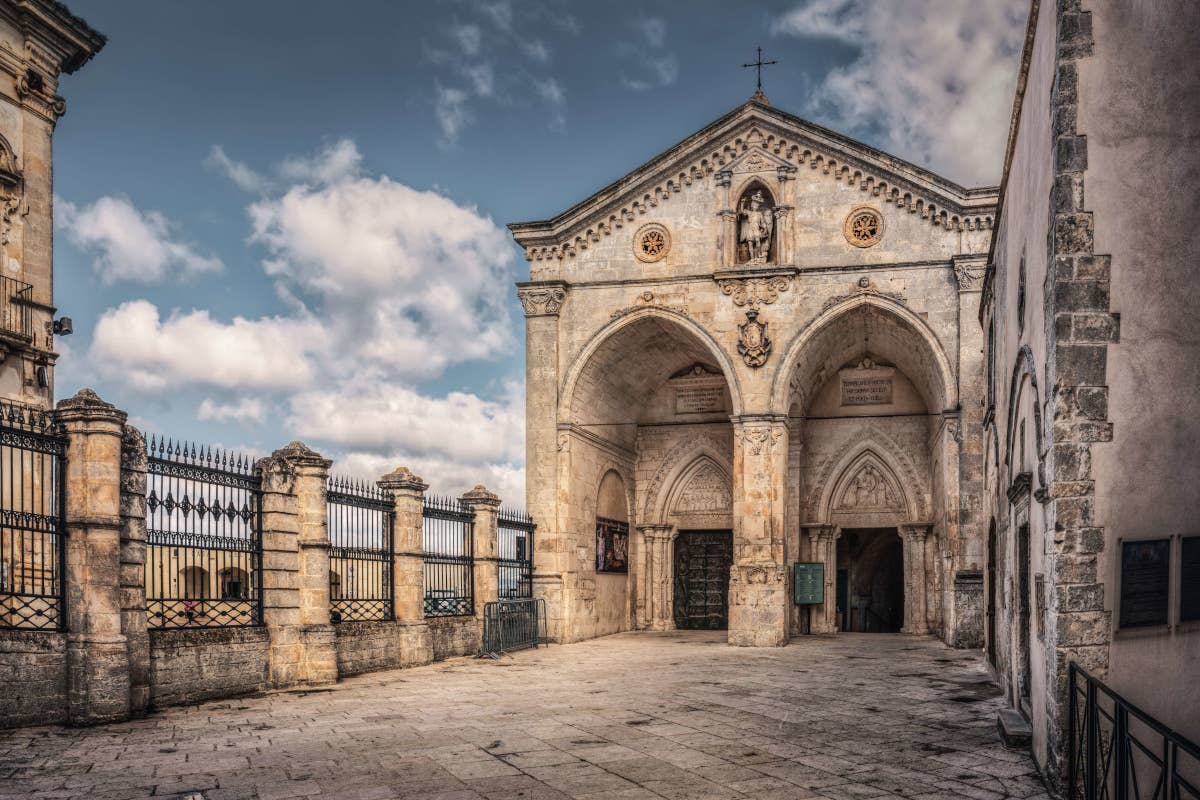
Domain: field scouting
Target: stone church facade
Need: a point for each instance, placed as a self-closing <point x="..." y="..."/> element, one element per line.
<point x="760" y="348"/>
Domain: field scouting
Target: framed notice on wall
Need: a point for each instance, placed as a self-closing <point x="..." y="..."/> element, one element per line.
<point x="809" y="583"/>
<point x="1145" y="577"/>
<point x="612" y="545"/>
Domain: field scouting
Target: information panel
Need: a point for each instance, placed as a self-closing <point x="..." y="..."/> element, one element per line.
<point x="1145" y="573"/>
<point x="810" y="583"/>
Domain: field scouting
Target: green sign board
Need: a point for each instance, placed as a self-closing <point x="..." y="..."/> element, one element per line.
<point x="810" y="583"/>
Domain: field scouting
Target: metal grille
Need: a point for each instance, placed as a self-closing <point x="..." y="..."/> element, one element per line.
<point x="448" y="533"/>
<point x="1117" y="751"/>
<point x="514" y="548"/>
<point x="16" y="315"/>
<point x="33" y="449"/>
<point x="361" y="527"/>
<point x="204" y="537"/>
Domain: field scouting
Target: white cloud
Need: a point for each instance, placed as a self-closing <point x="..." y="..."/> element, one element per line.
<point x="247" y="409"/>
<point x="934" y="79"/>
<point x="133" y="344"/>
<point x="468" y="37"/>
<point x="537" y="51"/>
<point x="329" y="165"/>
<point x="651" y="67"/>
<point x="450" y="107"/>
<point x="129" y="244"/>
<point x="499" y="12"/>
<point x="242" y="176"/>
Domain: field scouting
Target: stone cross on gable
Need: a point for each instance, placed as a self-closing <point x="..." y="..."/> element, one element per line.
<point x="758" y="64"/>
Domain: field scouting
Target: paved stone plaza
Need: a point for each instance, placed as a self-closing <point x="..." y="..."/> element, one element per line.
<point x="675" y="715"/>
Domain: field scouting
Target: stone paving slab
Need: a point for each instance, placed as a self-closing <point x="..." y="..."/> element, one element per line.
<point x="639" y="715"/>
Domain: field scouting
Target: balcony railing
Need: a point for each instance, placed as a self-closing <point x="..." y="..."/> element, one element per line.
<point x="16" y="315"/>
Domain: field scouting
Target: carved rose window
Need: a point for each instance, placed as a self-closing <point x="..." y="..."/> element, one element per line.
<point x="652" y="242"/>
<point x="864" y="227"/>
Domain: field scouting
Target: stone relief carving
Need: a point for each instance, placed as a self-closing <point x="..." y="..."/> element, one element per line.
<point x="968" y="276"/>
<point x="756" y="227"/>
<point x="754" y="292"/>
<point x="863" y="286"/>
<point x="541" y="302"/>
<point x="652" y="242"/>
<point x="869" y="490"/>
<point x="706" y="492"/>
<point x="754" y="346"/>
<point x="686" y="448"/>
<point x="875" y="438"/>
<point x="863" y="227"/>
<point x="760" y="438"/>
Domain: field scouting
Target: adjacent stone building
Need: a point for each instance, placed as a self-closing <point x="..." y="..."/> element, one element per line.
<point x="760" y="348"/>
<point x="39" y="40"/>
<point x="1093" y="340"/>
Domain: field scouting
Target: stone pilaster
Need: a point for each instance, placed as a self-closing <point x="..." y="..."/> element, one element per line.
<point x="915" y="616"/>
<point x="98" y="686"/>
<point x="295" y="545"/>
<point x="822" y="548"/>
<point x="758" y="578"/>
<point x="542" y="303"/>
<point x="657" y="540"/>
<point x="408" y="565"/>
<point x="485" y="506"/>
<point x="133" y="567"/>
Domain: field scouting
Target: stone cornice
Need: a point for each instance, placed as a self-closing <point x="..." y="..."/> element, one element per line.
<point x="68" y="41"/>
<point x="566" y="430"/>
<point x="785" y="136"/>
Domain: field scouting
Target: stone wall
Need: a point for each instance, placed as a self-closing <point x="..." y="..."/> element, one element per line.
<point x="190" y="666"/>
<point x="454" y="636"/>
<point x="33" y="678"/>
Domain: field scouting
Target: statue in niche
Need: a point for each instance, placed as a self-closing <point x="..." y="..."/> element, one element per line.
<point x="756" y="225"/>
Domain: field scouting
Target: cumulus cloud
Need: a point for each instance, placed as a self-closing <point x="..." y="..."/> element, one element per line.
<point x="240" y="173"/>
<point x="649" y="65"/>
<point x="247" y="409"/>
<point x="129" y="244"/>
<point x="932" y="80"/>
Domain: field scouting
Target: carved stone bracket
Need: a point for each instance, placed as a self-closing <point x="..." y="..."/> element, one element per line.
<point x="969" y="277"/>
<point x="541" y="301"/>
<point x="754" y="291"/>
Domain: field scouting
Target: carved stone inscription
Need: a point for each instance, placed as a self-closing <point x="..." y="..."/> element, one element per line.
<point x="866" y="385"/>
<point x="699" y="399"/>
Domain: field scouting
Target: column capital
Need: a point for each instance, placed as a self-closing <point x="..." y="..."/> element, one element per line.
<point x="917" y="531"/>
<point x="820" y="530"/>
<point x="657" y="531"/>
<point x="542" y="298"/>
<point x="402" y="479"/>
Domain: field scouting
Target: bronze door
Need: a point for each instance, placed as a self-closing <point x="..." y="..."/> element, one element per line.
<point x="702" y="560"/>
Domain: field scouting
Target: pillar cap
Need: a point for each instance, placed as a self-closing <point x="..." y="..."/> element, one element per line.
<point x="300" y="454"/>
<point x="402" y="478"/>
<point x="480" y="496"/>
<point x="86" y="404"/>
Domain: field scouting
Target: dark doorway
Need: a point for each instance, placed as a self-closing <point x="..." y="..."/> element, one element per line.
<point x="873" y="560"/>
<point x="1023" y="617"/>
<point x="990" y="588"/>
<point x="702" y="560"/>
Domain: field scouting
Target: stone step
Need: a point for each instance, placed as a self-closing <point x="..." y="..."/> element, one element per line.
<point x="1014" y="729"/>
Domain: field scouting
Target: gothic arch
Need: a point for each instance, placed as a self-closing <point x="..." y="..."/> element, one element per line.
<point x="676" y="463"/>
<point x="700" y="467"/>
<point x="890" y="494"/>
<point x="870" y="441"/>
<point x="926" y="359"/>
<point x="1023" y="367"/>
<point x="674" y="317"/>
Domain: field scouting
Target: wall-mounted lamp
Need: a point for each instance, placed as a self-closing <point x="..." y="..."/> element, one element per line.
<point x="62" y="326"/>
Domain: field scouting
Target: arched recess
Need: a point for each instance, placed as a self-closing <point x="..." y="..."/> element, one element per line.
<point x="681" y="462"/>
<point x="660" y="341"/>
<point x="701" y="496"/>
<point x="885" y="327"/>
<point x="1022" y="369"/>
<point x="871" y="442"/>
<point x="855" y="469"/>
<point x="612" y="499"/>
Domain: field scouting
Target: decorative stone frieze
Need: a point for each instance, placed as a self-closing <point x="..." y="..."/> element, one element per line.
<point x="753" y="290"/>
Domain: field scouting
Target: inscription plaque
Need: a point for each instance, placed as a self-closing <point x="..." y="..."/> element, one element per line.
<point x="699" y="399"/>
<point x="866" y="385"/>
<point x="809" y="583"/>
<point x="1145" y="575"/>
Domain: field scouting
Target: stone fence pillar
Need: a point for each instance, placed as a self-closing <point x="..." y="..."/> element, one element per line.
<point x="295" y="563"/>
<point x="97" y="655"/>
<point x="133" y="567"/>
<point x="408" y="564"/>
<point x="485" y="506"/>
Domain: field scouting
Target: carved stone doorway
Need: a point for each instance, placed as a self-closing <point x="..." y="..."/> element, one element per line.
<point x="873" y="559"/>
<point x="702" y="560"/>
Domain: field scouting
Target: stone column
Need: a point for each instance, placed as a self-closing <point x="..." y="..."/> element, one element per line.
<point x="303" y="645"/>
<point x="97" y="649"/>
<point x="785" y="238"/>
<point x="914" y="536"/>
<point x="408" y="565"/>
<point x="822" y="548"/>
<point x="657" y="545"/>
<point x="133" y="567"/>
<point x="542" y="302"/>
<point x="757" y="581"/>
<point x="486" y="507"/>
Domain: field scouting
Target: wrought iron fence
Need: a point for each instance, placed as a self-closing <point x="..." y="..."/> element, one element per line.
<point x="514" y="551"/>
<point x="448" y="533"/>
<point x="203" y="536"/>
<point x="33" y="451"/>
<point x="361" y="530"/>
<point x="16" y="315"/>
<point x="1117" y="751"/>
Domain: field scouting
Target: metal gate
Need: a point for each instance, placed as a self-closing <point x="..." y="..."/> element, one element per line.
<point x="702" y="560"/>
<point x="33" y="454"/>
<point x="514" y="550"/>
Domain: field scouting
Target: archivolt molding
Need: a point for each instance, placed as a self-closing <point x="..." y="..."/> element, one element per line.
<point x="686" y="454"/>
<point x="797" y="150"/>
<point x="872" y="440"/>
<point x="632" y="316"/>
<point x="786" y="382"/>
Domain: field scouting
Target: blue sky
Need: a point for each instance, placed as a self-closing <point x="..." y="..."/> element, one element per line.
<point x="285" y="220"/>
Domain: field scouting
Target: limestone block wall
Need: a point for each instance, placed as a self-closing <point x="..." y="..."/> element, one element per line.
<point x="190" y="666"/>
<point x="453" y="636"/>
<point x="33" y="678"/>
